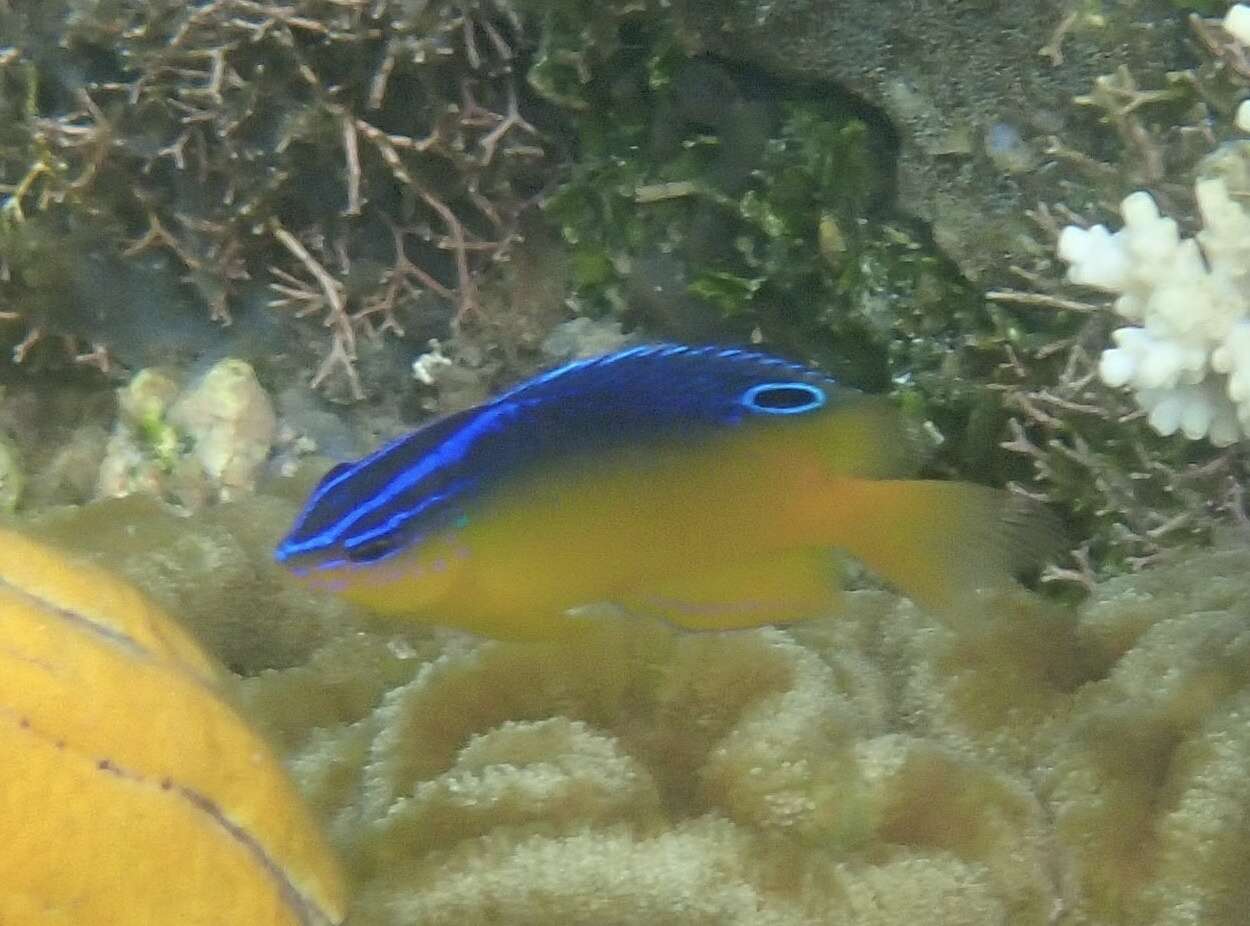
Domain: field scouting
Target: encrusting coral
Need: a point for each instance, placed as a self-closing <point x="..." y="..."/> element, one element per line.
<point x="1014" y="764"/>
<point x="1010" y="767"/>
<point x="688" y="779"/>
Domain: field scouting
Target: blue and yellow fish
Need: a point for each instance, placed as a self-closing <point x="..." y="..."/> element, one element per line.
<point x="702" y="485"/>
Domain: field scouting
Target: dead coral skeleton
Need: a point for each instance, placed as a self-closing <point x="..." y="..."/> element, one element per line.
<point x="1087" y="443"/>
<point x="1060" y="428"/>
<point x="194" y="102"/>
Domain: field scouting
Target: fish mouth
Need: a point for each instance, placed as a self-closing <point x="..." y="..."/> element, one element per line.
<point x="311" y="573"/>
<point x="283" y="552"/>
<point x="296" y="557"/>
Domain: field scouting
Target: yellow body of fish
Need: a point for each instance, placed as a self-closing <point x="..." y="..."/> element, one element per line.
<point x="727" y="531"/>
<point x="131" y="793"/>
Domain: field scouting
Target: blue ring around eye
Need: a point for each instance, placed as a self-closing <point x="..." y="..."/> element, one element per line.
<point x="815" y="398"/>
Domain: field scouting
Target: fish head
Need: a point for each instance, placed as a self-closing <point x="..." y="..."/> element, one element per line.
<point x="376" y="551"/>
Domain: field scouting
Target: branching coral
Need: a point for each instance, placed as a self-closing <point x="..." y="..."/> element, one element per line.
<point x="1186" y="298"/>
<point x="1187" y="354"/>
<point x="356" y="155"/>
<point x="1130" y="493"/>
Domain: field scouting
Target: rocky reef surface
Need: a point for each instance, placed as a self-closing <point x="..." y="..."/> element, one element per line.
<point x="978" y="92"/>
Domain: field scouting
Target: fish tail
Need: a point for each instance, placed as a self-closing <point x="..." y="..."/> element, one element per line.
<point x="938" y="542"/>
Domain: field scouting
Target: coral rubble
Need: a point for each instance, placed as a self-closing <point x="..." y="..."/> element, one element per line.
<point x="206" y="442"/>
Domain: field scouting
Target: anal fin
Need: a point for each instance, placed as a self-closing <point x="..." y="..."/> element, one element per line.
<point x="782" y="588"/>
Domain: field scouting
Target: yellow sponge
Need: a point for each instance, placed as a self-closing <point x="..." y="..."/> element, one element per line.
<point x="131" y="791"/>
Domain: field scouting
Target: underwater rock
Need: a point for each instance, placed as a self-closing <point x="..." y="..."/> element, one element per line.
<point x="306" y="420"/>
<point x="461" y="376"/>
<point x="57" y="429"/>
<point x="1008" y="150"/>
<point x="205" y="443"/>
<point x="133" y="793"/>
<point x="69" y="476"/>
<point x="146" y="399"/>
<point x="126" y="470"/>
<point x="144" y="448"/>
<point x="946" y="74"/>
<point x="12" y="479"/>
<point x="583" y="337"/>
<point x="231" y="421"/>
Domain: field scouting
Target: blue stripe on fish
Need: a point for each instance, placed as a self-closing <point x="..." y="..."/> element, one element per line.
<point x="420" y="483"/>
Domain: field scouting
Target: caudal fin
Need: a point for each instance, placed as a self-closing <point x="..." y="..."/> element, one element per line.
<point x="938" y="542"/>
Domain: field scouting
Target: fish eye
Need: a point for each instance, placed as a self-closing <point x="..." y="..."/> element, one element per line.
<point x="371" y="551"/>
<point x="783" y="398"/>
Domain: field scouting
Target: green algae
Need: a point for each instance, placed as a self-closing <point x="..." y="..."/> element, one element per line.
<point x="708" y="201"/>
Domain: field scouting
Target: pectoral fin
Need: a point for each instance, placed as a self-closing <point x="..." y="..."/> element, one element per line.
<point x="781" y="589"/>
